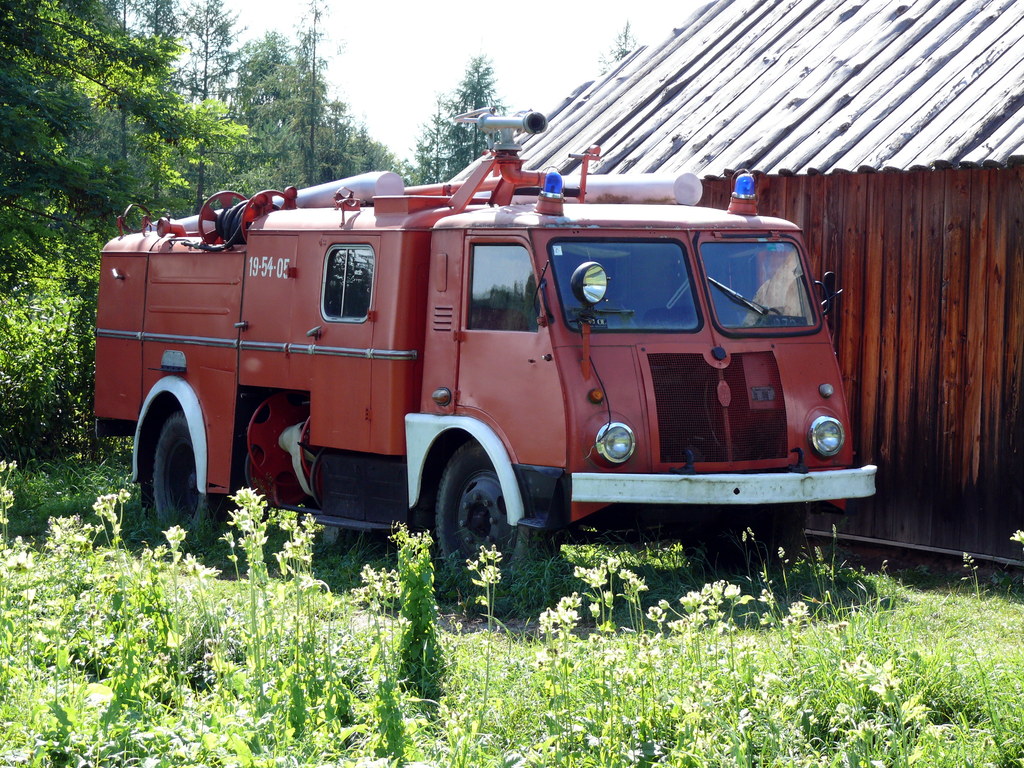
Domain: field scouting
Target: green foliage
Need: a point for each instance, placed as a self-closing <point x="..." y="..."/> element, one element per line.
<point x="299" y="135"/>
<point x="624" y="44"/>
<point x="431" y="162"/>
<point x="444" y="148"/>
<point x="150" y="656"/>
<point x="204" y="77"/>
<point x="102" y="107"/>
<point x="88" y="123"/>
<point x="208" y="67"/>
<point x="111" y="655"/>
<point x="6" y="497"/>
<point x="46" y="370"/>
<point x="45" y="490"/>
<point x="421" y="660"/>
<point x="72" y="75"/>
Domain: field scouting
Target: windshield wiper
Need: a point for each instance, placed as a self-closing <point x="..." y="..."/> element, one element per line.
<point x="739" y="298"/>
<point x="603" y="311"/>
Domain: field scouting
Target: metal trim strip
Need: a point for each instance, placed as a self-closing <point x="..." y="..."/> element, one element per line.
<point x="204" y="341"/>
<point x="314" y="350"/>
<point x="194" y="341"/>
<point x="112" y="334"/>
<point x="262" y="346"/>
<point x="371" y="354"/>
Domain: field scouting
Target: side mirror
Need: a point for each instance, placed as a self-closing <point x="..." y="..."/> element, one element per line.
<point x="589" y="283"/>
<point x="829" y="294"/>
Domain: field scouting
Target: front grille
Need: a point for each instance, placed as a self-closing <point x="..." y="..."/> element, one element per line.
<point x="691" y="416"/>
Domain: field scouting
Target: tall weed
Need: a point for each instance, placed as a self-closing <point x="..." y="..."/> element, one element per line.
<point x="116" y="654"/>
<point x="422" y="660"/>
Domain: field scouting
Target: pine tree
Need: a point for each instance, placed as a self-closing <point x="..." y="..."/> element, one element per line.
<point x="207" y="73"/>
<point x="208" y="68"/>
<point x="444" y="147"/>
<point x="153" y="18"/>
<point x="312" y="89"/>
<point x="624" y="44"/>
<point x="299" y="135"/>
<point x="428" y="159"/>
<point x="478" y="89"/>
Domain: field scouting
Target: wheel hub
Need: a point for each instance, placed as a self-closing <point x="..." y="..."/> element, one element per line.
<point x="481" y="514"/>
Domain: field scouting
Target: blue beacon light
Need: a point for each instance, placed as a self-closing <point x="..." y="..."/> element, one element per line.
<point x="552" y="185"/>
<point x="743" y="201"/>
<point x="745" y="187"/>
<point x="550" y="199"/>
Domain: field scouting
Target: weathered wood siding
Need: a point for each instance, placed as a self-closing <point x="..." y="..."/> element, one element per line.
<point x="930" y="335"/>
<point x="848" y="107"/>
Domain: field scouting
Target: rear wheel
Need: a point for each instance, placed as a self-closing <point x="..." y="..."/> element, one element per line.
<point x="470" y="509"/>
<point x="176" y="494"/>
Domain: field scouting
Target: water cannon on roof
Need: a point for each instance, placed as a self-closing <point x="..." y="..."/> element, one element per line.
<point x="500" y="129"/>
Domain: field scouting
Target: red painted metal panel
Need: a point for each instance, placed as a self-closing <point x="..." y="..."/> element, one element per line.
<point x="281" y="301"/>
<point x="122" y="292"/>
<point x="192" y="305"/>
<point x="508" y="378"/>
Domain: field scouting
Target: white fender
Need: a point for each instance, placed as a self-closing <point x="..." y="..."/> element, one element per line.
<point x="189" y="401"/>
<point x="422" y="430"/>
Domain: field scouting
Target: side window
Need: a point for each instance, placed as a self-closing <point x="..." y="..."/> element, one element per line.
<point x="348" y="280"/>
<point x="504" y="289"/>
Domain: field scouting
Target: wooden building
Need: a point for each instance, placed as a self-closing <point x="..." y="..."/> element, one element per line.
<point x="893" y="133"/>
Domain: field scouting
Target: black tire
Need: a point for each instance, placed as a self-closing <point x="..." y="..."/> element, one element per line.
<point x="176" y="495"/>
<point x="470" y="511"/>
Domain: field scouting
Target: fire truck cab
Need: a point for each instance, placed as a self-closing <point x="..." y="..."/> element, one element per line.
<point x="487" y="357"/>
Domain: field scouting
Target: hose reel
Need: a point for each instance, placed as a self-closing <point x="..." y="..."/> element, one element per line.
<point x="225" y="217"/>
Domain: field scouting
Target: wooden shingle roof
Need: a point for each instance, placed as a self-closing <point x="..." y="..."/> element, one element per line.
<point x="807" y="86"/>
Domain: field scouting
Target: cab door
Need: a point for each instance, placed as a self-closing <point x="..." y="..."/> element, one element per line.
<point x="506" y="373"/>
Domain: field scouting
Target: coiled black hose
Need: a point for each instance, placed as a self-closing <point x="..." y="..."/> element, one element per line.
<point x="228" y="226"/>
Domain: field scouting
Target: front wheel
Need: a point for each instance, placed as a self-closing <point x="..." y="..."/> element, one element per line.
<point x="471" y="506"/>
<point x="176" y="494"/>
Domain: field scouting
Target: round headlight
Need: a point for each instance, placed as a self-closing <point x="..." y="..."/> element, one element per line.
<point x="589" y="283"/>
<point x="615" y="442"/>
<point x="826" y="436"/>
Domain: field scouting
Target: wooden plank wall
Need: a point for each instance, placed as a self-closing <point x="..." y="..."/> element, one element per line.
<point x="930" y="336"/>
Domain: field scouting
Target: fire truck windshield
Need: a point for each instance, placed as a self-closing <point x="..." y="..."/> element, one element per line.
<point x="649" y="285"/>
<point x="757" y="285"/>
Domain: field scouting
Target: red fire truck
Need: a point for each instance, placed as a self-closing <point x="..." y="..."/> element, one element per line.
<point x="511" y="352"/>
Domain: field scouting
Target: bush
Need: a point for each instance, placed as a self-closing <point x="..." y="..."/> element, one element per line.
<point x="46" y="373"/>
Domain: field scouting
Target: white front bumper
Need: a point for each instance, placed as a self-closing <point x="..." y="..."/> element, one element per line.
<point x="761" y="488"/>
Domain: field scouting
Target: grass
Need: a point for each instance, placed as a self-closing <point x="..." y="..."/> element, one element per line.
<point x="257" y="644"/>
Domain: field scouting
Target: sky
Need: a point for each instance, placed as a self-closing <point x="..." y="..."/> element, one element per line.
<point x="394" y="58"/>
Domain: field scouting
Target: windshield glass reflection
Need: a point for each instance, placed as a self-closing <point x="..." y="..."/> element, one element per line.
<point x="757" y="285"/>
<point x="649" y="286"/>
